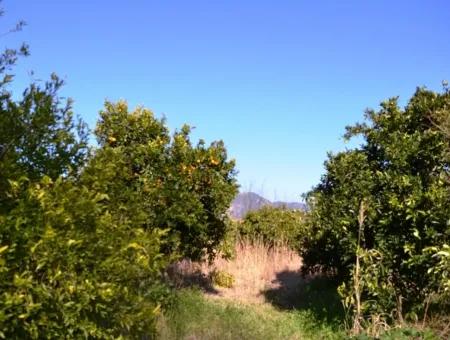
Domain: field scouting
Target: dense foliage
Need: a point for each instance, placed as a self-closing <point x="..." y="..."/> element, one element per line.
<point x="38" y="136"/>
<point x="70" y="268"/>
<point x="273" y="225"/>
<point x="380" y="215"/>
<point x="163" y="182"/>
<point x="85" y="235"/>
<point x="82" y="252"/>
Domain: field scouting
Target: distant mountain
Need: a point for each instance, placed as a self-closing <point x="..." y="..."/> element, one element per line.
<point x="249" y="201"/>
<point x="290" y="205"/>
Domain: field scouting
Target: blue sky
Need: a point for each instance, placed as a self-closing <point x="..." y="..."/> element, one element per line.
<point x="276" y="80"/>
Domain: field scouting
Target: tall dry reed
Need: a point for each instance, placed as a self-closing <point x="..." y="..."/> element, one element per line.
<point x="255" y="268"/>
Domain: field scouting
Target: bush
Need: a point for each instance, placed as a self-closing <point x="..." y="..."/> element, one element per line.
<point x="273" y="226"/>
<point x="81" y="255"/>
<point x="84" y="237"/>
<point x="222" y="279"/>
<point x="70" y="268"/>
<point x="39" y="136"/>
<point x="380" y="207"/>
<point x="164" y="182"/>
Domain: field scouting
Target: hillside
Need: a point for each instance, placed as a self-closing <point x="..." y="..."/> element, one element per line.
<point x="250" y="201"/>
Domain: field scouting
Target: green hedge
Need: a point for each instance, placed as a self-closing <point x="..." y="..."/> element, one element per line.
<point x="273" y="226"/>
<point x="71" y="269"/>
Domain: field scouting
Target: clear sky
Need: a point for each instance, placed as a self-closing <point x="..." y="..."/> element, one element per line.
<point x="276" y="80"/>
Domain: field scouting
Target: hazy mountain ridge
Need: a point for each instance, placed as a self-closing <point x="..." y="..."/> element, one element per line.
<point x="249" y="201"/>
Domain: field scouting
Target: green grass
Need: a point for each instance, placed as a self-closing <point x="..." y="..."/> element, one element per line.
<point x="318" y="296"/>
<point x="406" y="333"/>
<point x="314" y="312"/>
<point x="193" y="316"/>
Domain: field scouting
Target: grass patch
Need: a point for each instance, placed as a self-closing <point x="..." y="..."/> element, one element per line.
<point x="317" y="295"/>
<point x="406" y="333"/>
<point x="193" y="316"/>
<point x="261" y="294"/>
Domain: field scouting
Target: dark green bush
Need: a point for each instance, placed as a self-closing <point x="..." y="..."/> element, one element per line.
<point x="39" y="136"/>
<point x="273" y="225"/>
<point x="163" y="182"/>
<point x="397" y="184"/>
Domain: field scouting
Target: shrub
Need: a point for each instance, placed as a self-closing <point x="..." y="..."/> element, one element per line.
<point x="273" y="225"/>
<point x="222" y="279"/>
<point x="399" y="177"/>
<point x="39" y="136"/>
<point x="165" y="182"/>
<point x="83" y="245"/>
<point x="71" y="269"/>
<point x="84" y="237"/>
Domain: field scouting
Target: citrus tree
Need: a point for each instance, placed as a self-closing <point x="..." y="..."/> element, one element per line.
<point x="380" y="207"/>
<point x="69" y="268"/>
<point x="163" y="181"/>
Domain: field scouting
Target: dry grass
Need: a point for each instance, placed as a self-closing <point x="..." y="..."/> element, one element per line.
<point x="255" y="267"/>
<point x="248" y="310"/>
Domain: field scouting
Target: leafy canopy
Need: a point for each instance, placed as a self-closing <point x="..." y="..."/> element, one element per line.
<point x="162" y="181"/>
<point x="85" y="235"/>
<point x="400" y="173"/>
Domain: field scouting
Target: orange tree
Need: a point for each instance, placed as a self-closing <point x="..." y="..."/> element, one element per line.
<point x="386" y="204"/>
<point x="69" y="267"/>
<point x="82" y="252"/>
<point x="83" y="243"/>
<point x="163" y="181"/>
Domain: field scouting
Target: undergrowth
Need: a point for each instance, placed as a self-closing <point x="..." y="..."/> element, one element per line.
<point x="194" y="316"/>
